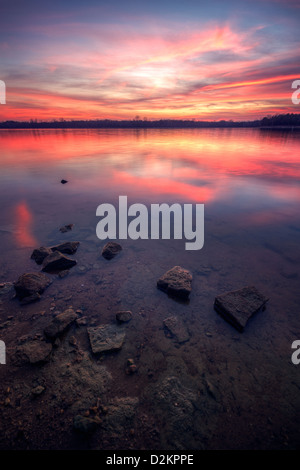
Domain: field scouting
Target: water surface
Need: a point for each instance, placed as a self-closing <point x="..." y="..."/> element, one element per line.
<point x="249" y="182"/>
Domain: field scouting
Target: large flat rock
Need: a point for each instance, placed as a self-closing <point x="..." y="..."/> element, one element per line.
<point x="106" y="338"/>
<point x="177" y="328"/>
<point x="176" y="282"/>
<point x="239" y="305"/>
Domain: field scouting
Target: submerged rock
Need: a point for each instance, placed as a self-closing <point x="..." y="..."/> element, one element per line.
<point x="56" y="261"/>
<point x="123" y="316"/>
<point x="176" y="282"/>
<point x="66" y="228"/>
<point x="6" y="288"/>
<point x="177" y="329"/>
<point x="63" y="273"/>
<point x="33" y="352"/>
<point x="39" y="254"/>
<point x="106" y="338"/>
<point x="68" y="248"/>
<point x="110" y="250"/>
<point x="239" y="305"/>
<point x="38" y="390"/>
<point x="31" y="285"/>
<point x="60" y="323"/>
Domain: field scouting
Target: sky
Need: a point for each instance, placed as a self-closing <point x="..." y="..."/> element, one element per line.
<point x="119" y="59"/>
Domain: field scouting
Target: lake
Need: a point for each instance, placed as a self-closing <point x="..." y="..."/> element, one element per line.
<point x="218" y="389"/>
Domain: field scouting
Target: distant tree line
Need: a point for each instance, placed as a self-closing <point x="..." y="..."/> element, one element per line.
<point x="285" y="120"/>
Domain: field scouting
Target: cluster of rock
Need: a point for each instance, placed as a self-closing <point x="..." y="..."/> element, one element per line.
<point x="37" y="350"/>
<point x="30" y="286"/>
<point x="54" y="258"/>
<point x="103" y="338"/>
<point x="237" y="307"/>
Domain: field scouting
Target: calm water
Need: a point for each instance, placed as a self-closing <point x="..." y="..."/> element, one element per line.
<point x="249" y="181"/>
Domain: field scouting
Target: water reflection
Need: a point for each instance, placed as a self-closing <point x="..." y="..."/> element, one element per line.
<point x="24" y="220"/>
<point x="240" y="167"/>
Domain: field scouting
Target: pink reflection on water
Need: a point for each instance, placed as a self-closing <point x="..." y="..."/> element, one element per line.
<point x="165" y="186"/>
<point x="24" y="218"/>
<point x="241" y="167"/>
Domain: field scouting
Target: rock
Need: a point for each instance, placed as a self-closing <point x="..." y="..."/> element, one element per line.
<point x="86" y="425"/>
<point x="39" y="254"/>
<point x="63" y="181"/>
<point x="177" y="328"/>
<point x="31" y="284"/>
<point x="66" y="228"/>
<point x="34" y="351"/>
<point x="106" y="338"/>
<point x="82" y="269"/>
<point x="238" y="306"/>
<point x="176" y="282"/>
<point x="37" y="390"/>
<point x="68" y="248"/>
<point x="57" y="262"/>
<point x="60" y="323"/>
<point x="131" y="367"/>
<point x="110" y="250"/>
<point x="123" y="316"/>
<point x="6" y="288"/>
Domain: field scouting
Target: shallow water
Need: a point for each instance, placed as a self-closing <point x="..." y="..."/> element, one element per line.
<point x="242" y="389"/>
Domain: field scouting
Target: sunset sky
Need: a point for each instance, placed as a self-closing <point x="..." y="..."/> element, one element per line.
<point x="157" y="59"/>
